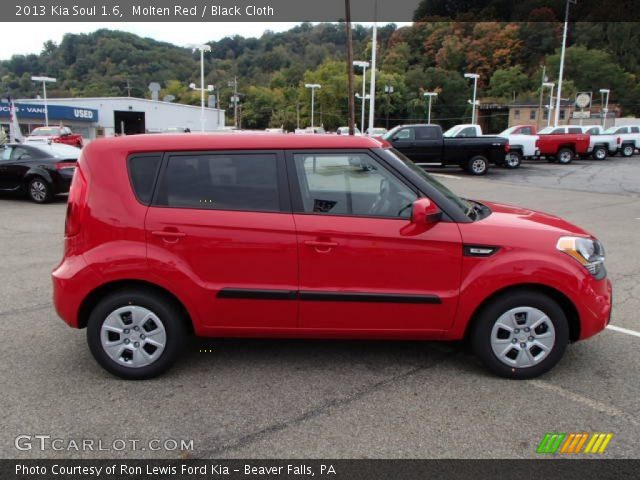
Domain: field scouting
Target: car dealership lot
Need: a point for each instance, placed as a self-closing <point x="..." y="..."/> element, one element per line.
<point x="294" y="398"/>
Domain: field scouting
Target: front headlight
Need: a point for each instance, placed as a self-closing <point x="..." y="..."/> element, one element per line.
<point x="588" y="251"/>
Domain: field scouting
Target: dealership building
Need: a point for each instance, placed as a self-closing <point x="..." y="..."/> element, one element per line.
<point x="109" y="116"/>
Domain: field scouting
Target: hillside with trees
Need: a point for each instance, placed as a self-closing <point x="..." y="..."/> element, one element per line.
<point x="273" y="69"/>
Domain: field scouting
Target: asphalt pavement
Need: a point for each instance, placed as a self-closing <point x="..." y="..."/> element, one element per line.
<point x="327" y="399"/>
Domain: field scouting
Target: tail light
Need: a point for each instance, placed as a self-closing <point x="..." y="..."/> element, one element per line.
<point x="76" y="204"/>
<point x="63" y="165"/>
<point x="618" y="140"/>
<point x="507" y="147"/>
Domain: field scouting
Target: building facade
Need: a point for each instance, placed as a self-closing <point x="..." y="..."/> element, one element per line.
<point x="109" y="116"/>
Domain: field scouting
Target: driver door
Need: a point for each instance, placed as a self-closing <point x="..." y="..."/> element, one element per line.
<point x="362" y="265"/>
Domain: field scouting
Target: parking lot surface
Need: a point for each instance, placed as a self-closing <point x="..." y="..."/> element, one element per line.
<point x="329" y="399"/>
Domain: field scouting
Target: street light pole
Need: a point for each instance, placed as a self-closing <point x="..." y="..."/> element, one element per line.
<point x="388" y="89"/>
<point x="44" y="81"/>
<point x="549" y="85"/>
<point x="372" y="82"/>
<point x="203" y="48"/>
<point x="364" y="65"/>
<point x="313" y="87"/>
<point x="556" y="118"/>
<point x="430" y="95"/>
<point x="475" y="77"/>
<point x="605" y="110"/>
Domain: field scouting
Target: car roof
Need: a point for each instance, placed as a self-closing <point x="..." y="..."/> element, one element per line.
<point x="226" y="141"/>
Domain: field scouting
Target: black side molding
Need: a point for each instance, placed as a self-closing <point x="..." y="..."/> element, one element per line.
<point x="255" y="294"/>
<point x="368" y="297"/>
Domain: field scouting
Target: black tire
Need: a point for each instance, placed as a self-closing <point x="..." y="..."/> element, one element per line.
<point x="170" y="316"/>
<point x="599" y="152"/>
<point x="489" y="315"/>
<point x="39" y="190"/>
<point x="478" y="165"/>
<point x="513" y="159"/>
<point x="564" y="156"/>
<point x="626" y="150"/>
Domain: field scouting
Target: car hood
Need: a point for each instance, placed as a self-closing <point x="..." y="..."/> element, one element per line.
<point x="517" y="226"/>
<point x="41" y="137"/>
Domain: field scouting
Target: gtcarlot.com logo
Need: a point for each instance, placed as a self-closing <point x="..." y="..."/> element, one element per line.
<point x="572" y="443"/>
<point x="47" y="442"/>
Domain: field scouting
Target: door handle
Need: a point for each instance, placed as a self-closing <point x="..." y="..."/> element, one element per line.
<point x="320" y="246"/>
<point x="168" y="236"/>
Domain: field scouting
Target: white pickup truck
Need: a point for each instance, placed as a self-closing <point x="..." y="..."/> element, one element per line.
<point x="629" y="138"/>
<point x="601" y="144"/>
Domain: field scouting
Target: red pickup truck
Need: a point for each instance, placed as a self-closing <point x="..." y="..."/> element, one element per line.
<point x="562" y="143"/>
<point x="59" y="134"/>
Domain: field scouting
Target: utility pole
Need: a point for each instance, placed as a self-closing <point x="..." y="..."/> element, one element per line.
<point x="374" y="47"/>
<point x="298" y="115"/>
<point x="388" y="89"/>
<point x="350" y="92"/>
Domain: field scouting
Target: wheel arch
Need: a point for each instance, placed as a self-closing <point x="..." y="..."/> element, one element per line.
<point x="96" y="295"/>
<point x="567" y="306"/>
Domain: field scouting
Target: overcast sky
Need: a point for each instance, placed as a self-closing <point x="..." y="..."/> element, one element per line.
<point x="25" y="38"/>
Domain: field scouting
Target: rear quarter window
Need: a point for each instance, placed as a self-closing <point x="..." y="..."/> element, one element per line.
<point x="143" y="170"/>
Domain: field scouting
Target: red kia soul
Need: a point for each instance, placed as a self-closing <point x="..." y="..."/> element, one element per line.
<point x="311" y="236"/>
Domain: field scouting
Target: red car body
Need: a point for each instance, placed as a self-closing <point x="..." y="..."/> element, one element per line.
<point x="336" y="276"/>
<point x="56" y="134"/>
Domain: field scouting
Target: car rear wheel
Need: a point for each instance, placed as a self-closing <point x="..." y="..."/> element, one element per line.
<point x="521" y="335"/>
<point x="136" y="334"/>
<point x="478" y="165"/>
<point x="565" y="155"/>
<point x="627" y="150"/>
<point x="599" y="153"/>
<point x="39" y="190"/>
<point x="513" y="159"/>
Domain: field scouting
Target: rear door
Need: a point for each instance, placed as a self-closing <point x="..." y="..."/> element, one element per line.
<point x="363" y="265"/>
<point x="223" y="220"/>
<point x="428" y="145"/>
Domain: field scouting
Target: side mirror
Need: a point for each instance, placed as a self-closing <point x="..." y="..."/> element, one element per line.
<point x="425" y="212"/>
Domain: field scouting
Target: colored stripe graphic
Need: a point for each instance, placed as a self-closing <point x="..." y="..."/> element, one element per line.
<point x="572" y="443"/>
<point x="551" y="442"/>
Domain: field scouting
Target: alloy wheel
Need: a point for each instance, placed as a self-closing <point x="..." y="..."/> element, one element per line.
<point x="38" y="190"/>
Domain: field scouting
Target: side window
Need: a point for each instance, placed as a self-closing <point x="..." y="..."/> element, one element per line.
<point x="20" y="154"/>
<point x="623" y="130"/>
<point x="404" y="134"/>
<point x="225" y="181"/>
<point x="143" y="170"/>
<point x="526" y="131"/>
<point x="467" y="132"/>
<point x="592" y="131"/>
<point x="558" y="131"/>
<point x="426" y="133"/>
<point x="6" y="153"/>
<point x="351" y="184"/>
<point x="574" y="130"/>
<point x="635" y="129"/>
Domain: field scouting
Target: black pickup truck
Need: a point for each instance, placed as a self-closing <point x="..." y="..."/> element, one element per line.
<point x="425" y="144"/>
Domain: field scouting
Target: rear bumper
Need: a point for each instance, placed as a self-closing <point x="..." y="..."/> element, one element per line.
<point x="71" y="285"/>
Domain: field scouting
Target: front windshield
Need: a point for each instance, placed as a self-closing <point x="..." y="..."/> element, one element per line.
<point x="391" y="133"/>
<point x="59" y="150"/>
<point x="611" y="130"/>
<point x="453" y="131"/>
<point x="508" y="131"/>
<point x="546" y="130"/>
<point x="466" y="206"/>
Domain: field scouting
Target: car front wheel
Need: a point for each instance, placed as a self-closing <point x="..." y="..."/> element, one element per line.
<point x="521" y="335"/>
<point x="39" y="190"/>
<point x="136" y="334"/>
<point x="599" y="153"/>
